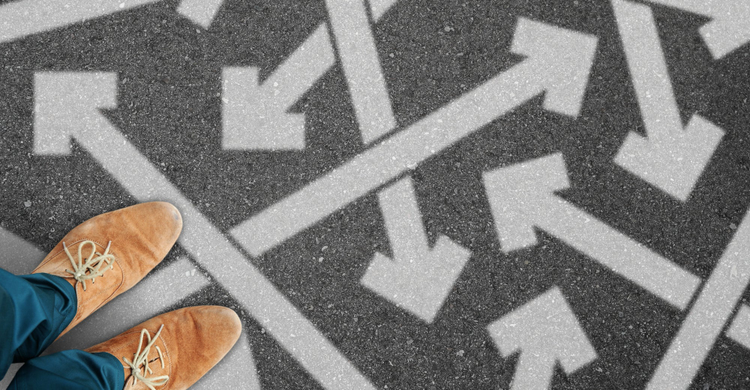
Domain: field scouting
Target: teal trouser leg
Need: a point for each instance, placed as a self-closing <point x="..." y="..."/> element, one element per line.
<point x="34" y="310"/>
<point x="71" y="370"/>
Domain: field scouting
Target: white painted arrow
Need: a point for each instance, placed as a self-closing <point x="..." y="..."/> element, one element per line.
<point x="740" y="329"/>
<point x="418" y="278"/>
<point x="19" y="19"/>
<point x="521" y="197"/>
<point x="729" y="28"/>
<point x="254" y="116"/>
<point x="19" y="256"/>
<point x="545" y="331"/>
<point x="558" y="63"/>
<point x="710" y="313"/>
<point x="201" y="12"/>
<point x="670" y="158"/>
<point x="67" y="106"/>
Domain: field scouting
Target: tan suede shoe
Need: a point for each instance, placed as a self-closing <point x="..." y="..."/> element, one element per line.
<point x="108" y="254"/>
<point x="172" y="351"/>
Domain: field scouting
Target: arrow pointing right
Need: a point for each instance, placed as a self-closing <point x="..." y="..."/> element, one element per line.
<point x="671" y="158"/>
<point x="418" y="278"/>
<point x="521" y="197"/>
<point x="730" y="25"/>
<point x="557" y="64"/>
<point x="546" y="331"/>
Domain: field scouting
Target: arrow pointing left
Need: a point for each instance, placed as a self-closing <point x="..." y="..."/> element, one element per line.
<point x="545" y="331"/>
<point x="19" y="19"/>
<point x="418" y="278"/>
<point x="671" y="158"/>
<point x="67" y="106"/>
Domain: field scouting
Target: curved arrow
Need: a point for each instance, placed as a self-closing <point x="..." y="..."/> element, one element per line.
<point x="545" y="331"/>
<point x="557" y="64"/>
<point x="521" y="197"/>
<point x="671" y="158"/>
<point x="729" y="27"/>
<point x="418" y="278"/>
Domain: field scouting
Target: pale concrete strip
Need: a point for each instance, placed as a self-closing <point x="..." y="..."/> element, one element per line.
<point x="150" y="297"/>
<point x="19" y="19"/>
<point x="740" y="329"/>
<point x="361" y="63"/>
<point x="201" y="12"/>
<point x="709" y="314"/>
<point x="19" y="256"/>
<point x="10" y="375"/>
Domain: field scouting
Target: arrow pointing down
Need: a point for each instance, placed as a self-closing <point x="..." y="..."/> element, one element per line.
<point x="419" y="278"/>
<point x="254" y="116"/>
<point x="522" y="197"/>
<point x="557" y="64"/>
<point x="671" y="158"/>
<point x="545" y="331"/>
<point x="729" y="27"/>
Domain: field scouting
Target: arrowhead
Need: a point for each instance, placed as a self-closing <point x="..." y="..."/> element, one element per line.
<point x="253" y="118"/>
<point x="547" y="329"/>
<point x="67" y="104"/>
<point x="520" y="194"/>
<point x="730" y="27"/>
<point x="673" y="165"/>
<point x="561" y="58"/>
<point x="418" y="285"/>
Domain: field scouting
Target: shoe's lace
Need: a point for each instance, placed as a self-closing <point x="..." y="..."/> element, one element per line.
<point x="141" y="359"/>
<point x="91" y="268"/>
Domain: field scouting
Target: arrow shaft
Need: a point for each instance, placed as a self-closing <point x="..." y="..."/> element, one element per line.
<point x="300" y="70"/>
<point x="708" y="316"/>
<point x="619" y="253"/>
<point x="648" y="69"/>
<point x="388" y="160"/>
<point x="361" y="64"/>
<point x="227" y="265"/>
<point x="23" y="18"/>
<point x="403" y="221"/>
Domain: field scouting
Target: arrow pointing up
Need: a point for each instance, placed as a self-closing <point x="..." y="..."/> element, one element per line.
<point x="729" y="28"/>
<point x="521" y="198"/>
<point x="418" y="279"/>
<point x="671" y="158"/>
<point x="545" y="331"/>
<point x="558" y="63"/>
<point x="255" y="116"/>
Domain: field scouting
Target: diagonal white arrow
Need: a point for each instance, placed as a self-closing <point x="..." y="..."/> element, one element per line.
<point x="729" y="27"/>
<point x="67" y="106"/>
<point x="22" y="18"/>
<point x="709" y="314"/>
<point x="557" y="64"/>
<point x="545" y="331"/>
<point x="521" y="197"/>
<point x="19" y="256"/>
<point x="418" y="278"/>
<point x="670" y="158"/>
<point x="361" y="64"/>
<point x="254" y="115"/>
